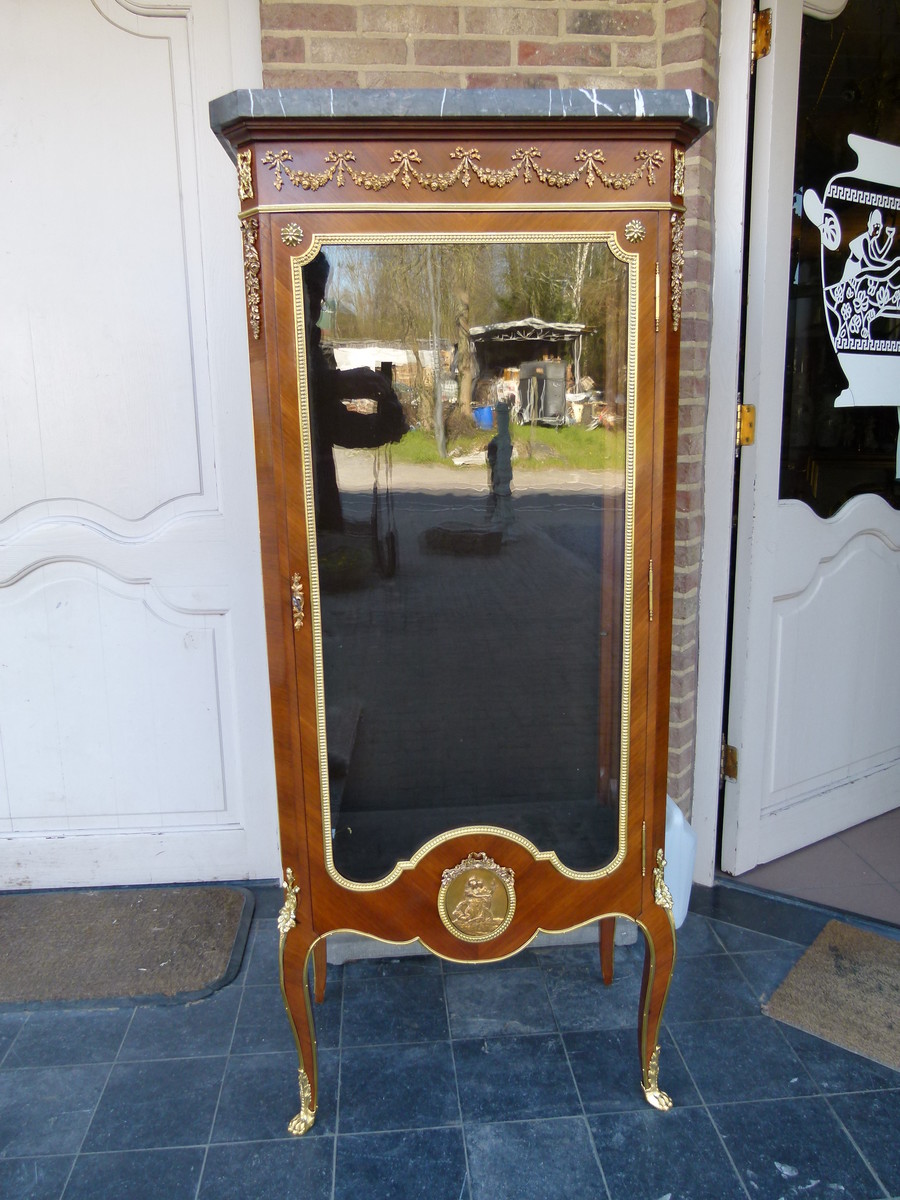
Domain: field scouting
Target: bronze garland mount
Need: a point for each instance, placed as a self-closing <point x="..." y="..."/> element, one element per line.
<point x="407" y="163"/>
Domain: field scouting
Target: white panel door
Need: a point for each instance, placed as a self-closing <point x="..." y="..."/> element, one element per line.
<point x="135" y="739"/>
<point x="815" y="691"/>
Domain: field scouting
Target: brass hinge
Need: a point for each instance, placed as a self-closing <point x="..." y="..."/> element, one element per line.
<point x="762" y="35"/>
<point x="745" y="433"/>
<point x="729" y="765"/>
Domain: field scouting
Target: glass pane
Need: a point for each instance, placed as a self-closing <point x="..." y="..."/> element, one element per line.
<point x="842" y="384"/>
<point x="468" y="406"/>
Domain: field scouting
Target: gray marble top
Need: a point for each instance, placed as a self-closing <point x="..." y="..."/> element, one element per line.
<point x="694" y="110"/>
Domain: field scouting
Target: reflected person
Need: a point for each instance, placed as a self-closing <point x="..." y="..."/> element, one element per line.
<point x="333" y="424"/>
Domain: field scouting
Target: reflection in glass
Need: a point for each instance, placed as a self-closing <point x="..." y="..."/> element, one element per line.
<point x="468" y="406"/>
<point x="840" y="429"/>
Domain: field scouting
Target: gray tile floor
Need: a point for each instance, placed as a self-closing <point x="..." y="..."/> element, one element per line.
<point x="857" y="870"/>
<point x="516" y="1081"/>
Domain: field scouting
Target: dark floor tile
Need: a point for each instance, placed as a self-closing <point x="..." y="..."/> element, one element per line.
<point x="46" y="1110"/>
<point x="327" y="1015"/>
<point x="136" y="1175"/>
<point x="525" y="958"/>
<point x="515" y="1078"/>
<point x="10" y="1024"/>
<point x="792" y="920"/>
<point x="627" y="960"/>
<point x="268" y="898"/>
<point x="708" y="989"/>
<point x="787" y="1149"/>
<point x="261" y="967"/>
<point x="746" y="1059"/>
<point x="738" y="940"/>
<point x="183" y="1030"/>
<point x="34" y="1178"/>
<point x="607" y="1071"/>
<point x="534" y="1160"/>
<point x="427" y="1164"/>
<point x="677" y="1154"/>
<point x="398" y="1009"/>
<point x="297" y="1169"/>
<point x="835" y="1069"/>
<point x="488" y="1003"/>
<point x="397" y="1087"/>
<point x="66" y="1036"/>
<point x="262" y="1023"/>
<point x="697" y="936"/>
<point x="872" y="1121"/>
<point x="261" y="1094"/>
<point x="391" y="968"/>
<point x="765" y="971"/>
<point x="581" y="1000"/>
<point x="152" y="1105"/>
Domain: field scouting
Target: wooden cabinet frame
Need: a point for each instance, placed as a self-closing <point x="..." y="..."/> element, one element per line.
<point x="433" y="166"/>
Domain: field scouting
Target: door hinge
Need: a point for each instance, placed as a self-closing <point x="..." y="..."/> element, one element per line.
<point x="762" y="35"/>
<point x="745" y="432"/>
<point x="728" y="768"/>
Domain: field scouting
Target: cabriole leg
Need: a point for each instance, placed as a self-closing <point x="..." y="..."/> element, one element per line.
<point x="295" y="947"/>
<point x="659" y="959"/>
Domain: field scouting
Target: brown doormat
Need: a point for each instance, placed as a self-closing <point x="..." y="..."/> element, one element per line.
<point x="160" y="944"/>
<point x="846" y="989"/>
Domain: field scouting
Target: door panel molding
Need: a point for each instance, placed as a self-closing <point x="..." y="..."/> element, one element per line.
<point x="814" y="690"/>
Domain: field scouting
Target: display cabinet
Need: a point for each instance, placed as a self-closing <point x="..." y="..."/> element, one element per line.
<point x="463" y="312"/>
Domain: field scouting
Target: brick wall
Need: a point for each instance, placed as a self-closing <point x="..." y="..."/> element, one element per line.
<point x="551" y="43"/>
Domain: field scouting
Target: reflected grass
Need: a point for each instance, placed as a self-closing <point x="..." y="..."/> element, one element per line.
<point x="538" y="448"/>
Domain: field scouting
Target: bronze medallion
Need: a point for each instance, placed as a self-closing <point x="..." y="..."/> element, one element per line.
<point x="477" y="898"/>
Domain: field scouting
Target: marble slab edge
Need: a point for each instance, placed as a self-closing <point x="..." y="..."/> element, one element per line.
<point x="691" y="108"/>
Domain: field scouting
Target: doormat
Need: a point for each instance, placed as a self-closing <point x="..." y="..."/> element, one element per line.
<point x="846" y="989"/>
<point x="127" y="945"/>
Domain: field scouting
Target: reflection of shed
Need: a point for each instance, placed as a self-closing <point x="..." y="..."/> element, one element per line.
<point x="510" y="343"/>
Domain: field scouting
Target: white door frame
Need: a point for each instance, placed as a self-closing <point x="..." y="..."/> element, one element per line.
<point x="732" y="152"/>
<point x="732" y="121"/>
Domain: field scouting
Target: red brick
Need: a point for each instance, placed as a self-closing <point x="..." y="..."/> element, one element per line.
<point x="692" y="444"/>
<point x="697" y="269"/>
<point x="681" y="761"/>
<point x="692" y="415"/>
<point x="512" y="79"/>
<point x="287" y="77"/>
<point x="695" y="14"/>
<point x="457" y="52"/>
<point x="283" y="50"/>
<point x="682" y="711"/>
<point x="402" y="79"/>
<point x="689" y="472"/>
<point x="637" y="54"/>
<point x="698" y="79"/>
<point x="301" y="18"/>
<point x="696" y="48"/>
<point x="688" y="526"/>
<point x="683" y="687"/>
<point x="611" y="24"/>
<point x="500" y="20"/>
<point x="357" y="51"/>
<point x="563" y="54"/>
<point x="408" y="18"/>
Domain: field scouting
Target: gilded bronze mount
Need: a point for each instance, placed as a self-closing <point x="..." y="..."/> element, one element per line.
<point x="477" y="898"/>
